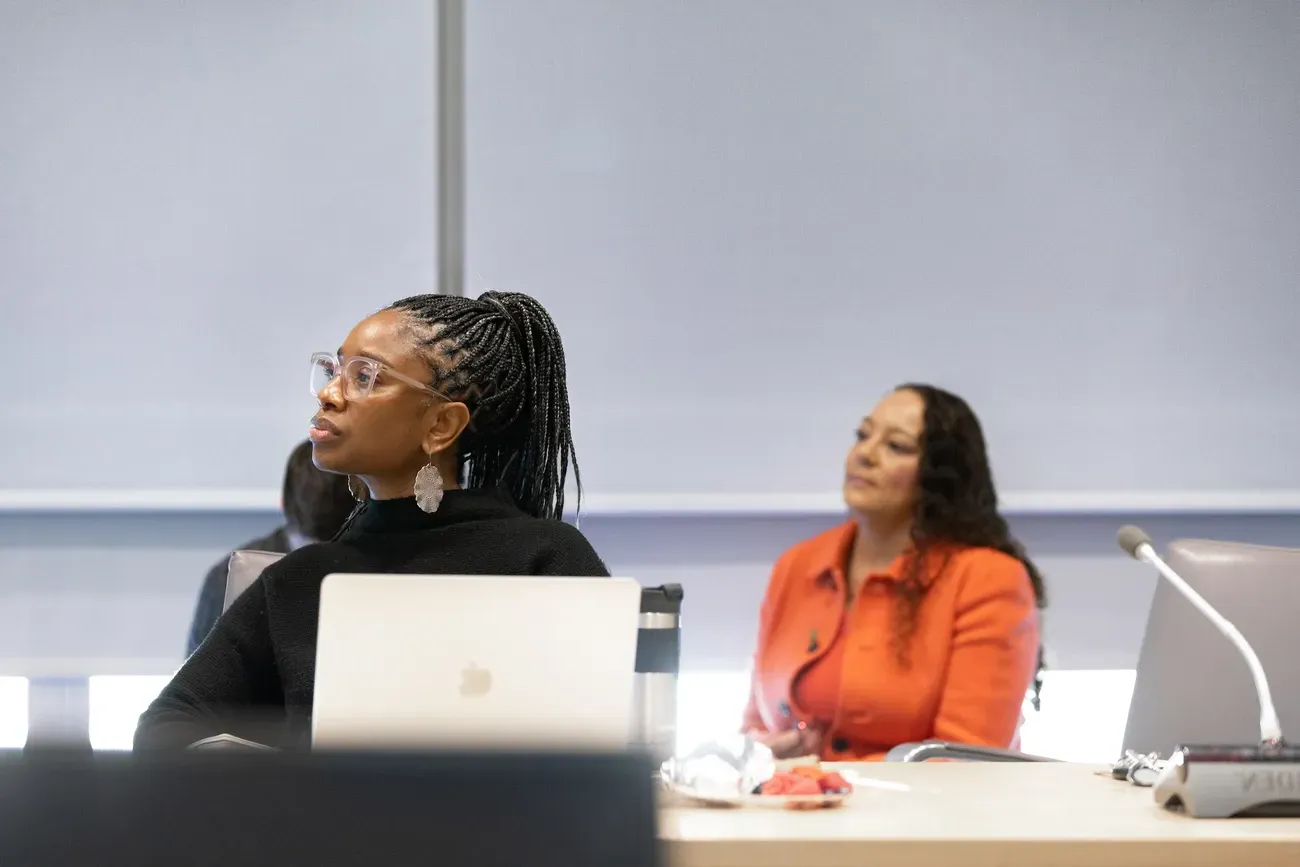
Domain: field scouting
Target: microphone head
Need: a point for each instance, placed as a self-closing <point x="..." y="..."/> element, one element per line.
<point x="1131" y="538"/>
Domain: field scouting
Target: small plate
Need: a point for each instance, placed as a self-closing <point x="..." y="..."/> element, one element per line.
<point x="767" y="802"/>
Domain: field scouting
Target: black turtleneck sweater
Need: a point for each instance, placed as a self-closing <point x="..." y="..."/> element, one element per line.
<point x="254" y="674"/>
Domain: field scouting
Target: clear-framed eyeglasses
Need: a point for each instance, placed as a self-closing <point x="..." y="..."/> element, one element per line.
<point x="359" y="375"/>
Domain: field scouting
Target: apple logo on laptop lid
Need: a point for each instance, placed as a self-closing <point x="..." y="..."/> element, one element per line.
<point x="475" y="682"/>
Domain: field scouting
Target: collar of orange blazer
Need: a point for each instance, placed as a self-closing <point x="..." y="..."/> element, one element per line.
<point x="828" y="570"/>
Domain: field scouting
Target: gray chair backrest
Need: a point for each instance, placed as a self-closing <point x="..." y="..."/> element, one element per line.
<point x="244" y="568"/>
<point x="1192" y="685"/>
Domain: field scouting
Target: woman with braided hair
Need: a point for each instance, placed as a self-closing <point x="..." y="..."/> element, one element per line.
<point x="450" y="418"/>
<point x="915" y="620"/>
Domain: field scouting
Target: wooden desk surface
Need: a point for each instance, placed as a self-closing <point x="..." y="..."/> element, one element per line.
<point x="977" y="815"/>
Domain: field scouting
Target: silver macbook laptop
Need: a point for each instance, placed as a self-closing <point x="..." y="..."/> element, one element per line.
<point x="425" y="661"/>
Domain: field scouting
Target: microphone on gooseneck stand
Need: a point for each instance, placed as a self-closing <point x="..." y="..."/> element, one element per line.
<point x="1219" y="781"/>
<point x="1138" y="546"/>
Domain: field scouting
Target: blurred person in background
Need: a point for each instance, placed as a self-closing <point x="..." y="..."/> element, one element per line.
<point x="315" y="506"/>
<point x="918" y="618"/>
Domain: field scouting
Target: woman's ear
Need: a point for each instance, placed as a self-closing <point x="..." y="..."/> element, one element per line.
<point x="448" y="422"/>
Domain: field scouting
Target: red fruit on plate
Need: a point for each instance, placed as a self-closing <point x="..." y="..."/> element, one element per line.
<point x="804" y="786"/>
<point x="813" y="772"/>
<point x="778" y="785"/>
<point x="833" y="784"/>
<point x="790" y="784"/>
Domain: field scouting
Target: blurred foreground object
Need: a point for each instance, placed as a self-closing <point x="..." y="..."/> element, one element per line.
<point x="337" y="809"/>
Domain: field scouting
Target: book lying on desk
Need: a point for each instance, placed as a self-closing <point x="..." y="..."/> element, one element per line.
<point x="229" y="742"/>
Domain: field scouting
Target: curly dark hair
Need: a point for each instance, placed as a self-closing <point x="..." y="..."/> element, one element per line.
<point x="957" y="503"/>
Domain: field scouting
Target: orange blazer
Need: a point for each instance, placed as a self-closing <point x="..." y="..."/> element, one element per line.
<point x="972" y="654"/>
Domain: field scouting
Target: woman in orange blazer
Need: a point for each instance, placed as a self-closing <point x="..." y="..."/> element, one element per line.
<point x="915" y="620"/>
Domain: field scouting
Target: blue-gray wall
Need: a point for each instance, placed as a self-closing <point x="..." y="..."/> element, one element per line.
<point x="112" y="594"/>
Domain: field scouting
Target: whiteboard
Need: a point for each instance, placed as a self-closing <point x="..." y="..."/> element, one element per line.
<point x="751" y="218"/>
<point x="193" y="198"/>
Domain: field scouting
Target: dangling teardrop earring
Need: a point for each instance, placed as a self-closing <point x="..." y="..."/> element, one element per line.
<point x="428" y="487"/>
